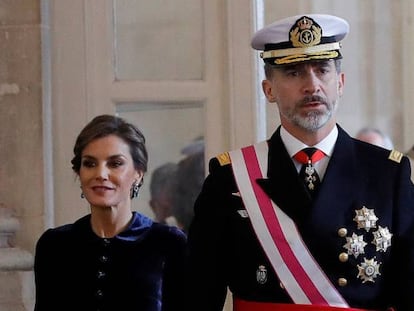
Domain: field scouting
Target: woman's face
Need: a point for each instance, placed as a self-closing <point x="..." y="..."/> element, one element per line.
<point x="107" y="172"/>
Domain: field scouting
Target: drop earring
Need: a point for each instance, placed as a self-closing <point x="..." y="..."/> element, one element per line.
<point x="135" y="188"/>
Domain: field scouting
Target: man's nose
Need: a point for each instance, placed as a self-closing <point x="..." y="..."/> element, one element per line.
<point x="311" y="83"/>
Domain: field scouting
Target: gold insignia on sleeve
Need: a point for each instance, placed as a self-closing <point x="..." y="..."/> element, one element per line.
<point x="224" y="158"/>
<point x="395" y="156"/>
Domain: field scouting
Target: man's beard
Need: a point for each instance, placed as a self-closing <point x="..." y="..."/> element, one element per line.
<point x="314" y="120"/>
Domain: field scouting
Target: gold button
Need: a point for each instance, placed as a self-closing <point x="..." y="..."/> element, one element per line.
<point x="281" y="285"/>
<point x="343" y="257"/>
<point x="342" y="282"/>
<point x="342" y="232"/>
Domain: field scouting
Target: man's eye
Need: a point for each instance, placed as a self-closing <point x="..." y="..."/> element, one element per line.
<point x="293" y="73"/>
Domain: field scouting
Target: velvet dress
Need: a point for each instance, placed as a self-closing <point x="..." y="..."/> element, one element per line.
<point x="139" y="269"/>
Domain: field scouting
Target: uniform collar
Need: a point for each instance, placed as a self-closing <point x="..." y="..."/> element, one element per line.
<point x="294" y="145"/>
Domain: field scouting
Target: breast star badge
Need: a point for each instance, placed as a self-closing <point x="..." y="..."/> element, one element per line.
<point x="355" y="245"/>
<point x="382" y="239"/>
<point x="365" y="218"/>
<point x="368" y="270"/>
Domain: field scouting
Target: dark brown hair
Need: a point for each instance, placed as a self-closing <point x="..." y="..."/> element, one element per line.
<point x="105" y="125"/>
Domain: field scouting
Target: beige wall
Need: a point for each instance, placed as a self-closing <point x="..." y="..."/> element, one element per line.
<point x="21" y="146"/>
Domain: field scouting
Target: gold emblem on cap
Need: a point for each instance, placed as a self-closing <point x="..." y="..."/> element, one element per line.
<point x="306" y="33"/>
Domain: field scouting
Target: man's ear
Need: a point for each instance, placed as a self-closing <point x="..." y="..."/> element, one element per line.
<point x="268" y="90"/>
<point x="341" y="81"/>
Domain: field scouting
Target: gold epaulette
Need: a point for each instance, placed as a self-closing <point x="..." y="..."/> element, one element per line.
<point x="395" y="156"/>
<point x="224" y="158"/>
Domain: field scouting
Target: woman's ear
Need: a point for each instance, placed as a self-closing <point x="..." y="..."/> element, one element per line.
<point x="139" y="177"/>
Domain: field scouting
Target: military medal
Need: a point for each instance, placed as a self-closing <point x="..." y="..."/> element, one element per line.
<point x="355" y="245"/>
<point x="382" y="239"/>
<point x="368" y="270"/>
<point x="310" y="177"/>
<point x="261" y="274"/>
<point x="365" y="218"/>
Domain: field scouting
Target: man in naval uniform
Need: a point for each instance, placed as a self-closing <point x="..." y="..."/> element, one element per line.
<point x="311" y="219"/>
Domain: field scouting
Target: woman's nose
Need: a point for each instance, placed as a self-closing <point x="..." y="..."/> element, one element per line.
<point x="102" y="172"/>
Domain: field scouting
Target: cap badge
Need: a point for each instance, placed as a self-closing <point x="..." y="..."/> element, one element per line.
<point x="368" y="270"/>
<point x="365" y="218"/>
<point x="306" y="32"/>
<point x="261" y="274"/>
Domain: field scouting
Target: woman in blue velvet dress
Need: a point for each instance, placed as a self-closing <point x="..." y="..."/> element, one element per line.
<point x="113" y="258"/>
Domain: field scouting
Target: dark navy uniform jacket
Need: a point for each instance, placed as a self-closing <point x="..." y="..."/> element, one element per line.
<point x="139" y="269"/>
<point x="224" y="250"/>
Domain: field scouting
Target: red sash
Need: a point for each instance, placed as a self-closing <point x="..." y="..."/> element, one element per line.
<point x="300" y="274"/>
<point x="242" y="305"/>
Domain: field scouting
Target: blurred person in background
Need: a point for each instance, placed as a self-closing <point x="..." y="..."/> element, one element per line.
<point x="375" y="136"/>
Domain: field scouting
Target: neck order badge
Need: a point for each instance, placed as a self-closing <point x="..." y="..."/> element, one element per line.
<point x="308" y="157"/>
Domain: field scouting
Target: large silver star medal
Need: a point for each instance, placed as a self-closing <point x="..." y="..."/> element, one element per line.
<point x="368" y="270"/>
<point x="382" y="239"/>
<point x="355" y="245"/>
<point x="365" y="218"/>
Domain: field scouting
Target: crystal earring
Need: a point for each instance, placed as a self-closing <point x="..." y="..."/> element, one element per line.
<point x="135" y="189"/>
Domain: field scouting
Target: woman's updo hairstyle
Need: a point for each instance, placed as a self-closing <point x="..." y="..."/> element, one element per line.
<point x="105" y="125"/>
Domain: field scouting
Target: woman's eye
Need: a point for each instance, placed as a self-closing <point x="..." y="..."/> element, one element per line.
<point x="88" y="163"/>
<point x="116" y="163"/>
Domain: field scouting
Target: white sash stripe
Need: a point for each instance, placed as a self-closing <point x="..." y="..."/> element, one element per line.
<point x="251" y="204"/>
<point x="306" y="260"/>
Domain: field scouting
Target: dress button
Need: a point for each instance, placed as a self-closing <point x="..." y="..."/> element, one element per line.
<point x="342" y="232"/>
<point x="106" y="242"/>
<point x="100" y="274"/>
<point x="99" y="294"/>
<point x="342" y="282"/>
<point x="343" y="257"/>
<point x="103" y="259"/>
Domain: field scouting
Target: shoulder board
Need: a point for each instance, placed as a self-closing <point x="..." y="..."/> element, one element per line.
<point x="224" y="158"/>
<point x="395" y="156"/>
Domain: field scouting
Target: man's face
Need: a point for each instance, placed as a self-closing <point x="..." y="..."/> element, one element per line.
<point x="307" y="93"/>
